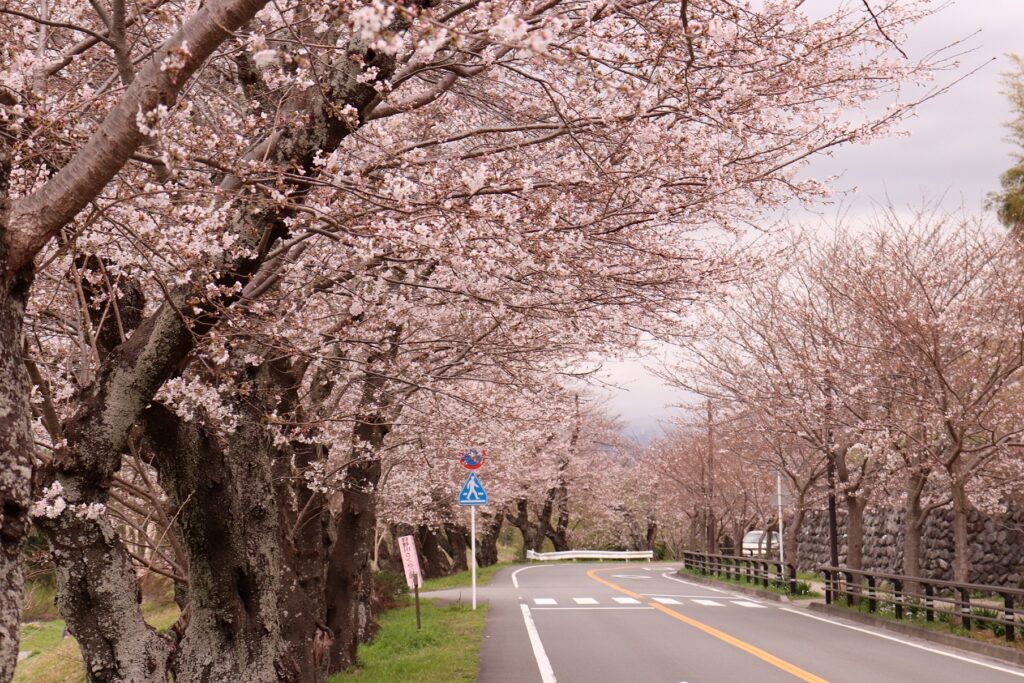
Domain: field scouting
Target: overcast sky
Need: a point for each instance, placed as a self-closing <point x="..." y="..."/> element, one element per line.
<point x="955" y="149"/>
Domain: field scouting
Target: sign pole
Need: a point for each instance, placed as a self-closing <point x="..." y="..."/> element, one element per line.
<point x="416" y="589"/>
<point x="472" y="548"/>
<point x="472" y="494"/>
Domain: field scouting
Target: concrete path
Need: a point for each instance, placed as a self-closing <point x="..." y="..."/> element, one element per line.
<point x="596" y="623"/>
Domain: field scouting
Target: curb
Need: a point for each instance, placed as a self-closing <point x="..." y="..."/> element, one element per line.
<point x="992" y="650"/>
<point x="749" y="590"/>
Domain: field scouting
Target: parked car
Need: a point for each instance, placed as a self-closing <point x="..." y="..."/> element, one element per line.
<point x="755" y="543"/>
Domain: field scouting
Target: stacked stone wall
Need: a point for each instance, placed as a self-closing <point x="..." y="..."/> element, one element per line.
<point x="996" y="542"/>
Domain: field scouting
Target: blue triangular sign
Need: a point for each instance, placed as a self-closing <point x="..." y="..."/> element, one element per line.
<point x="473" y="492"/>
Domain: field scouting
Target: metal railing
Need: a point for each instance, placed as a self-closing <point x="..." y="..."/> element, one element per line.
<point x="907" y="594"/>
<point x="592" y="555"/>
<point x="767" y="572"/>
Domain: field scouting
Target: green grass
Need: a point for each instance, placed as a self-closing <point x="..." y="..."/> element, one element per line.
<point x="446" y="650"/>
<point x="58" y="660"/>
<point x="39" y="602"/>
<point x="945" y="620"/>
<point x="463" y="579"/>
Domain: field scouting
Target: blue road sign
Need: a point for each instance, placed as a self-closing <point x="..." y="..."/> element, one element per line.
<point x="473" y="492"/>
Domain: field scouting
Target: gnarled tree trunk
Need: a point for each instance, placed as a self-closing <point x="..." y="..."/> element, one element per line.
<point x="15" y="450"/>
<point x="228" y="514"/>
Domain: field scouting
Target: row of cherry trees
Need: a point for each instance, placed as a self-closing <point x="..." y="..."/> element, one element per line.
<point x="265" y="267"/>
<point x="896" y="352"/>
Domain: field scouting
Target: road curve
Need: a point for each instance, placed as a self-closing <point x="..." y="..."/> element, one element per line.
<point x="597" y="623"/>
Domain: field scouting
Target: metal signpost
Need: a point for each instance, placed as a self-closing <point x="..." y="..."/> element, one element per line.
<point x="472" y="495"/>
<point x="411" y="564"/>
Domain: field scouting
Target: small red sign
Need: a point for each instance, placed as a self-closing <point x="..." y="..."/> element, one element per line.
<point x="472" y="459"/>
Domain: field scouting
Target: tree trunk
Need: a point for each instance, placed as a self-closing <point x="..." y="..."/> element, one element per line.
<point x="458" y="547"/>
<point x="306" y="542"/>
<point x="521" y="521"/>
<point x="229" y="517"/>
<point x="349" y="577"/>
<point x="487" y="542"/>
<point x="961" y="542"/>
<point x="792" y="535"/>
<point x="434" y="561"/>
<point x="15" y="450"/>
<point x="854" y="531"/>
<point x="99" y="596"/>
<point x="652" y="534"/>
<point x="913" y="527"/>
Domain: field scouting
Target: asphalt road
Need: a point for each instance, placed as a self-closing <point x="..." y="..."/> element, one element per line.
<point x="640" y="623"/>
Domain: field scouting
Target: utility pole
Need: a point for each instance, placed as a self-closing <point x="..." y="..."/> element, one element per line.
<point x="830" y="464"/>
<point x="782" y="544"/>
<point x="712" y="540"/>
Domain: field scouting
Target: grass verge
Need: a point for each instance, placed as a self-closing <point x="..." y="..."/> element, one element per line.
<point x="462" y="579"/>
<point x="945" y="621"/>
<point x="58" y="660"/>
<point x="446" y="650"/>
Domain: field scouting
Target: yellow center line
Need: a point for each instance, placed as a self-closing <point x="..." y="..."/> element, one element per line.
<point x="721" y="635"/>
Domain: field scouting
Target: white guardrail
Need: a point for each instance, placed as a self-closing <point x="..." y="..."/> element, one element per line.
<point x="592" y="555"/>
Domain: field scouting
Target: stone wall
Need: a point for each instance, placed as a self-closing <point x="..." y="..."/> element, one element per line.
<point x="996" y="541"/>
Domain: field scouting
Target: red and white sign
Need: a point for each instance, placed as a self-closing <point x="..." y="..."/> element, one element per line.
<point x="410" y="561"/>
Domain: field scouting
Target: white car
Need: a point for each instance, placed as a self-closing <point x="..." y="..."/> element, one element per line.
<point x="755" y="544"/>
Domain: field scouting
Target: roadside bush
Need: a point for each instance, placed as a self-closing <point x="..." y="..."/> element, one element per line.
<point x="388" y="589"/>
<point x="996" y="628"/>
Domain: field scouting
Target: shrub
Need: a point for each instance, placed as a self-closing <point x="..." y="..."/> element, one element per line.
<point x="388" y="588"/>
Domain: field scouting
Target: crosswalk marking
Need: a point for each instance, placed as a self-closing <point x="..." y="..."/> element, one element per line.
<point x="661" y="599"/>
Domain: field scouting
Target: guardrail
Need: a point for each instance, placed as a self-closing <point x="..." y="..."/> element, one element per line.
<point x="752" y="570"/>
<point x="932" y="596"/>
<point x="592" y="555"/>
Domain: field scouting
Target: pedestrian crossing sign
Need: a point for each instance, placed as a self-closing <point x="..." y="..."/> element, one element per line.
<point x="473" y="492"/>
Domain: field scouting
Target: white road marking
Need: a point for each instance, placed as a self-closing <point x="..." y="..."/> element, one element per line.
<point x="678" y="595"/>
<point x="626" y="601"/>
<point x="994" y="667"/>
<point x="667" y="601"/>
<point x="545" y="601"/>
<point x="558" y="609"/>
<point x="747" y="603"/>
<point x="708" y="603"/>
<point x="629" y="576"/>
<point x="690" y="583"/>
<point x="547" y="674"/>
<point x="515" y="579"/>
<point x="585" y="601"/>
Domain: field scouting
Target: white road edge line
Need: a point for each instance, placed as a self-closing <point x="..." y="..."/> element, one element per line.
<point x="994" y="667"/>
<point x="515" y="581"/>
<point x="690" y="583"/>
<point x="547" y="674"/>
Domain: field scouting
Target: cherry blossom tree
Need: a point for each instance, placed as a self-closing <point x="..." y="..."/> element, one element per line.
<point x="940" y="306"/>
<point x="230" y="277"/>
<point x="895" y="351"/>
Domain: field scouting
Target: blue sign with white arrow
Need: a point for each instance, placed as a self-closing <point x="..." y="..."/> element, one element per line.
<point x="473" y="492"/>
